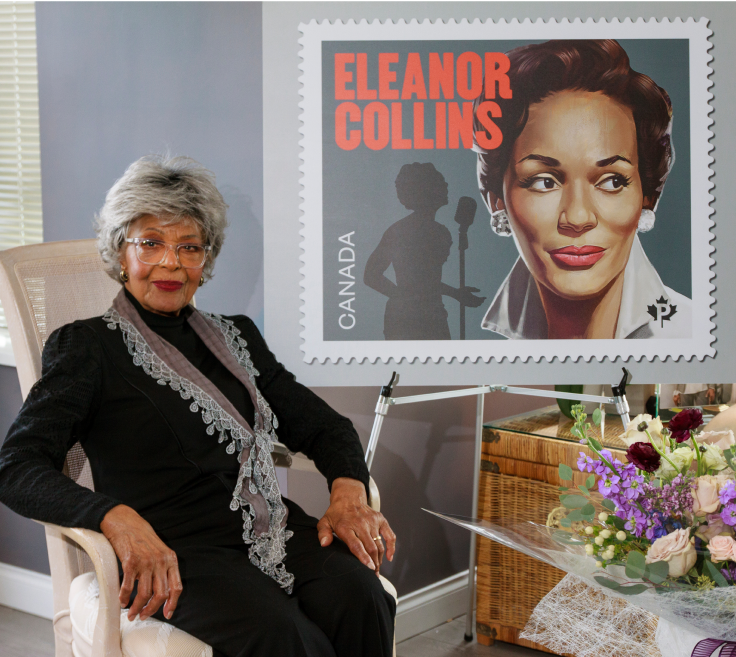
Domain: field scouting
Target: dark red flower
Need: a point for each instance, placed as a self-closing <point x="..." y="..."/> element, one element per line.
<point x="684" y="422"/>
<point x="644" y="456"/>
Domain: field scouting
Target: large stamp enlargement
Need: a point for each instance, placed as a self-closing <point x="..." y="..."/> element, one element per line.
<point x="506" y="190"/>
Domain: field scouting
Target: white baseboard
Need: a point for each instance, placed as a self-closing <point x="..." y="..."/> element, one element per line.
<point x="26" y="591"/>
<point x="416" y="612"/>
<point x="431" y="606"/>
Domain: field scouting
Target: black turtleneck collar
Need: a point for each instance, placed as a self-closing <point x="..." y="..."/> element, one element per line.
<point x="159" y="321"/>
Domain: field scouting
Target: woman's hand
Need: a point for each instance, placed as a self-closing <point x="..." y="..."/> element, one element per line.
<point x="356" y="524"/>
<point x="145" y="558"/>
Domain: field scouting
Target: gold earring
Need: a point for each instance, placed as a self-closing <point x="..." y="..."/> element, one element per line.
<point x="201" y="281"/>
<point x="124" y="276"/>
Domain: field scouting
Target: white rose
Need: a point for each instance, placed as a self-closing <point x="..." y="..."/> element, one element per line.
<point x="676" y="549"/>
<point x="713" y="458"/>
<point x="722" y="439"/>
<point x="633" y="435"/>
<point x="682" y="457"/>
<point x="705" y="495"/>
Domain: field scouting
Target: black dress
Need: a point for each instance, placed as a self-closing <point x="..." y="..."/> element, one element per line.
<point x="149" y="451"/>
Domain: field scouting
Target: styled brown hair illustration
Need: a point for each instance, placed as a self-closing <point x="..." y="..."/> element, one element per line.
<point x="539" y="70"/>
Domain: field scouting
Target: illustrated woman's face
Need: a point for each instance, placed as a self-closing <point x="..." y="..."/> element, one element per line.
<point x="573" y="193"/>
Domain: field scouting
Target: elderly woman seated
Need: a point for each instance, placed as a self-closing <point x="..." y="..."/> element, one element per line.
<point x="177" y="410"/>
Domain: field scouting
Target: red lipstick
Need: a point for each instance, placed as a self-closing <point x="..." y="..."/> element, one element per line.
<point x="578" y="256"/>
<point x="168" y="286"/>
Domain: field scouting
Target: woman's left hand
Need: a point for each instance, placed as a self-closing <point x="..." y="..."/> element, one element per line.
<point x="356" y="524"/>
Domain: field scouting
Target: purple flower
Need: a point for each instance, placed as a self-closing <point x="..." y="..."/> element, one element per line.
<point x="728" y="492"/>
<point x="636" y="522"/>
<point x="728" y="514"/>
<point x="684" y="422"/>
<point x="631" y="486"/>
<point x="609" y="486"/>
<point x="644" y="457"/>
<point x="585" y="463"/>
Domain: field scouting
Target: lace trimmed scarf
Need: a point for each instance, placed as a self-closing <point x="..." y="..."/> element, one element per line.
<point x="257" y="490"/>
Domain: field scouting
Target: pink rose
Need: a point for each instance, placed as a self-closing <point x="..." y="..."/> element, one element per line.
<point x="714" y="527"/>
<point x="722" y="439"/>
<point x="722" y="548"/>
<point x="676" y="549"/>
<point x="705" y="496"/>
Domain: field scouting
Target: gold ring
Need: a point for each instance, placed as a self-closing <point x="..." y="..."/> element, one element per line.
<point x="377" y="538"/>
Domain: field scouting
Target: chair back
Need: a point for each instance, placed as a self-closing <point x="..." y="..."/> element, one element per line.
<point x="43" y="287"/>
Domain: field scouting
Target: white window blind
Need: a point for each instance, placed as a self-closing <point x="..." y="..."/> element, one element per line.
<point x="21" y="219"/>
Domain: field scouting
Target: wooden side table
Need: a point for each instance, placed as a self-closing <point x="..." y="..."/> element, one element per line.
<point x="519" y="479"/>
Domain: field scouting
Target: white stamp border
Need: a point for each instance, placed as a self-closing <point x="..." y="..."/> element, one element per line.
<point x="315" y="348"/>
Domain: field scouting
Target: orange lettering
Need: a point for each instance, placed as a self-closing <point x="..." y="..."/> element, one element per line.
<point x="461" y="125"/>
<point x="441" y="76"/>
<point x="440" y="124"/>
<point x="397" y="140"/>
<point x="469" y="83"/>
<point x="375" y="113"/>
<point x="491" y="137"/>
<point x="414" y="78"/>
<point x="420" y="141"/>
<point x="343" y="111"/>
<point x="343" y="76"/>
<point x="497" y="67"/>
<point x="364" y="93"/>
<point x="386" y="76"/>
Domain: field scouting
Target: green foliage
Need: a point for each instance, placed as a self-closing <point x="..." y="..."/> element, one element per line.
<point x="595" y="444"/>
<point x="608" y="504"/>
<point x="657" y="572"/>
<point x="597" y="417"/>
<point x="590" y="482"/>
<point x="730" y="455"/>
<point x="573" y="501"/>
<point x="636" y="565"/>
<point x="607" y="582"/>
<point x="714" y="573"/>
<point x="565" y="472"/>
<point x="618" y="523"/>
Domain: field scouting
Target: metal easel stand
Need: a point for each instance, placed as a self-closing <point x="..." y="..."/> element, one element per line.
<point x="386" y="400"/>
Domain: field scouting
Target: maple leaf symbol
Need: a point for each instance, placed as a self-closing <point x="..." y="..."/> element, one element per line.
<point x="652" y="310"/>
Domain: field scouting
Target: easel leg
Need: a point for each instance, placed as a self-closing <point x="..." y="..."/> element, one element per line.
<point x="470" y="618"/>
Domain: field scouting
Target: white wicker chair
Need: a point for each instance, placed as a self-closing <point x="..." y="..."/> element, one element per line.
<point x="43" y="287"/>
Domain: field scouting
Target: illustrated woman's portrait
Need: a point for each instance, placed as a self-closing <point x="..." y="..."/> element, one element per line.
<point x="586" y="151"/>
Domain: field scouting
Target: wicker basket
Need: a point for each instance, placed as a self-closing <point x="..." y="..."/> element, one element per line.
<point x="519" y="479"/>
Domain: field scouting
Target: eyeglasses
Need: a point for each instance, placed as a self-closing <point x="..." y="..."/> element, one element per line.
<point x="153" y="252"/>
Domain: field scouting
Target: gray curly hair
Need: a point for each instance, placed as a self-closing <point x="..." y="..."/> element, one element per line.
<point x="171" y="188"/>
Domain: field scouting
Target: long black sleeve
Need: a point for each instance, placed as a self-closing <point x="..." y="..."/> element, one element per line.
<point x="51" y="420"/>
<point x="306" y="423"/>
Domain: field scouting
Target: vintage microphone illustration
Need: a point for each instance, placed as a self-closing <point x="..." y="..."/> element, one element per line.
<point x="464" y="216"/>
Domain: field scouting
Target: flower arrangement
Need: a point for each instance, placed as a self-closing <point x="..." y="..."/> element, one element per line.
<point x="668" y="514"/>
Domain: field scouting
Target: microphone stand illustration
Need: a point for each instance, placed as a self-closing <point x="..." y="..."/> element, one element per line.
<point x="464" y="216"/>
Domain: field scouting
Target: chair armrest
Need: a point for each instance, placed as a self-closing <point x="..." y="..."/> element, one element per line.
<point x="374" y="498"/>
<point x="106" y="641"/>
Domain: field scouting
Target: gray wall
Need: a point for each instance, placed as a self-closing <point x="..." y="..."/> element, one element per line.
<point x="120" y="80"/>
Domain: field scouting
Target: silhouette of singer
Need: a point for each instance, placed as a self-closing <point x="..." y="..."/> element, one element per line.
<point x="417" y="246"/>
